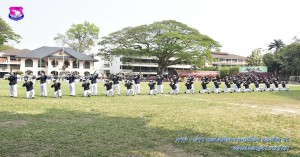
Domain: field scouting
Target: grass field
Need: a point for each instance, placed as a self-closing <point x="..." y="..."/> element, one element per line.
<point x="146" y="125"/>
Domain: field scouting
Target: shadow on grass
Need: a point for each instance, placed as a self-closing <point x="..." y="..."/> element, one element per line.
<point x="70" y="133"/>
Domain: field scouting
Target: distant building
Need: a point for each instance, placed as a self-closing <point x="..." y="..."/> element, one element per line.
<point x="9" y="61"/>
<point x="226" y="59"/>
<point x="146" y="65"/>
<point x="55" y="61"/>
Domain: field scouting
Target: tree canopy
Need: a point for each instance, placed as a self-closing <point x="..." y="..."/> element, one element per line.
<point x="171" y="42"/>
<point x="277" y="45"/>
<point x="255" y="59"/>
<point x="7" y="34"/>
<point x="81" y="37"/>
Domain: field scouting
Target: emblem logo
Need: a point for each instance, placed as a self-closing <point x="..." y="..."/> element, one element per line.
<point x="16" y="13"/>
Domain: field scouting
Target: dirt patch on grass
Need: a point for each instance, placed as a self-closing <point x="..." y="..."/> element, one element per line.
<point x="14" y="123"/>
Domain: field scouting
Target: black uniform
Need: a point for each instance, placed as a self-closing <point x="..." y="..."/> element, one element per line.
<point x="136" y="79"/>
<point x="159" y="80"/>
<point x="172" y="85"/>
<point x="94" y="79"/>
<point x="128" y="85"/>
<point x="152" y="85"/>
<point x="71" y="78"/>
<point x="28" y="85"/>
<point x="188" y="85"/>
<point x="86" y="86"/>
<point x="42" y="79"/>
<point x="12" y="80"/>
<point x="108" y="85"/>
<point x="56" y="86"/>
<point x="116" y="80"/>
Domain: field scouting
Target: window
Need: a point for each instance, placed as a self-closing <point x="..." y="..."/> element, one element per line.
<point x="75" y="64"/>
<point x="28" y="63"/>
<point x="86" y="65"/>
<point x="221" y="59"/>
<point x="41" y="63"/>
<point x="106" y="65"/>
<point x="234" y="60"/>
<point x="228" y="60"/>
<point x="54" y="63"/>
<point x="66" y="64"/>
<point x="87" y="73"/>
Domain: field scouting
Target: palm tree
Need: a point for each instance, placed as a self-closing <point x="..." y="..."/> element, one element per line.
<point x="277" y="45"/>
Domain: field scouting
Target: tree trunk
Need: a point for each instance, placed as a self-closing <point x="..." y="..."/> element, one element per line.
<point x="160" y="70"/>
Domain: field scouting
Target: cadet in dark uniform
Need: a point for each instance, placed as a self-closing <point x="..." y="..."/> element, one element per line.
<point x="43" y="86"/>
<point x="71" y="79"/>
<point x="228" y="85"/>
<point x="137" y="86"/>
<point x="128" y="85"/>
<point x="109" y="91"/>
<point x="246" y="85"/>
<point x="204" y="83"/>
<point x="173" y="87"/>
<point x="29" y="88"/>
<point x="152" y="84"/>
<point x="188" y="87"/>
<point x="116" y="80"/>
<point x="13" y="79"/>
<point x="57" y="89"/>
<point x="175" y="80"/>
<point x="284" y="87"/>
<point x="94" y="84"/>
<point x="86" y="88"/>
<point x="160" y="88"/>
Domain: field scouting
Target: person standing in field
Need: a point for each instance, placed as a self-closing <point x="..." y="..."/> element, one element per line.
<point x="13" y="79"/>
<point x="43" y="85"/>
<point x="160" y="87"/>
<point x="93" y="79"/>
<point x="137" y="86"/>
<point x="71" y="78"/>
<point x="29" y="88"/>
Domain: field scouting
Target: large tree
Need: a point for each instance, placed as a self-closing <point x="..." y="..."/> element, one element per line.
<point x="81" y="37"/>
<point x="7" y="34"/>
<point x="171" y="42"/>
<point x="289" y="58"/>
<point x="255" y="59"/>
<point x="277" y="45"/>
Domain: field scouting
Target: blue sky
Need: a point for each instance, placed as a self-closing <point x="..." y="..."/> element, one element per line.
<point x="239" y="26"/>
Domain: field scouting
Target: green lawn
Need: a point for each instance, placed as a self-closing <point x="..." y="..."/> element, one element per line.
<point x="146" y="125"/>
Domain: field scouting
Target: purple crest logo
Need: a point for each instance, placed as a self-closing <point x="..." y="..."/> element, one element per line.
<point x="16" y="13"/>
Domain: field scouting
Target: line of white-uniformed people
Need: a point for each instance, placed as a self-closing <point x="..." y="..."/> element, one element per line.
<point x="233" y="84"/>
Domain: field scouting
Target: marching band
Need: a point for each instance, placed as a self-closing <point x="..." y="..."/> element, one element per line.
<point x="240" y="84"/>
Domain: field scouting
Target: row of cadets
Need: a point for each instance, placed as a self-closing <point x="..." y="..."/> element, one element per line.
<point x="152" y="84"/>
<point x="71" y="79"/>
<point x="57" y="90"/>
<point x="43" y="86"/>
<point x="109" y="91"/>
<point x="160" y="88"/>
<point x="116" y="79"/>
<point x="137" y="81"/>
<point x="128" y="85"/>
<point x="93" y="79"/>
<point x="29" y="88"/>
<point x="13" y="79"/>
<point x="204" y="83"/>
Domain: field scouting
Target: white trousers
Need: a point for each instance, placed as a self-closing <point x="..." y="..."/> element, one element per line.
<point x="193" y="89"/>
<point x="177" y="88"/>
<point x="188" y="91"/>
<point x="246" y="90"/>
<point x="172" y="91"/>
<point x="110" y="92"/>
<point x="86" y="93"/>
<point x="205" y="90"/>
<point x="28" y="93"/>
<point x="94" y="89"/>
<point x="160" y="89"/>
<point x="284" y="89"/>
<point x="129" y="91"/>
<point x="43" y="88"/>
<point x="13" y="90"/>
<point x="57" y="94"/>
<point x="238" y="90"/>
<point x="72" y="88"/>
<point x="227" y="90"/>
<point x="153" y="91"/>
<point x="137" y="88"/>
<point x="117" y="87"/>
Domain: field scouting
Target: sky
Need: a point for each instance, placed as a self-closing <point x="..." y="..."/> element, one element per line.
<point x="240" y="26"/>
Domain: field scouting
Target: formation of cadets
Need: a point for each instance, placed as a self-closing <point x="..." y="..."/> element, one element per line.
<point x="132" y="84"/>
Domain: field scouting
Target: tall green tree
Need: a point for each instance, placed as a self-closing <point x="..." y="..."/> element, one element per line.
<point x="81" y="37"/>
<point x="270" y="61"/>
<point x="255" y="59"/>
<point x="289" y="58"/>
<point x="5" y="47"/>
<point x="7" y="34"/>
<point x="276" y="44"/>
<point x="171" y="42"/>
